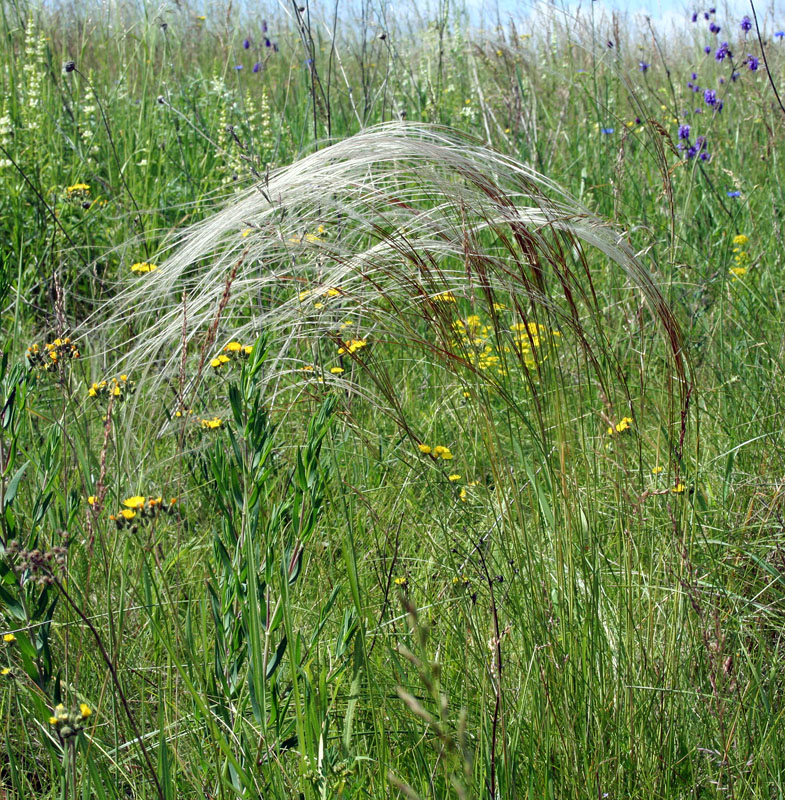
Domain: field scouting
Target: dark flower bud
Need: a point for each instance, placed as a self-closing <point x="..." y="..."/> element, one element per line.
<point x="69" y="66"/>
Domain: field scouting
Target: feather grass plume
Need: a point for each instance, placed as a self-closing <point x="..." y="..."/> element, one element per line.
<point x="382" y="228"/>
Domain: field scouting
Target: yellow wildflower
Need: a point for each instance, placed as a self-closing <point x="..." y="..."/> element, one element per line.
<point x="233" y="347"/>
<point x="92" y="500"/>
<point x="143" y="266"/>
<point x="657" y="470"/>
<point x="212" y="424"/>
<point x="336" y="370"/>
<point x="622" y="426"/>
<point x="442" y="452"/>
<point x="137" y="501"/>
<point x="5" y="671"/>
<point x="740" y="240"/>
<point x="126" y="513"/>
<point x="679" y="488"/>
<point x="78" y="188"/>
<point x="85" y="710"/>
<point x="738" y="272"/>
<point x="445" y="297"/>
<point x="424" y="448"/>
<point x="9" y="638"/>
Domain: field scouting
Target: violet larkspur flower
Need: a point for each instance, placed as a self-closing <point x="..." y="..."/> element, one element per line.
<point x="722" y="51"/>
<point x="714" y="28"/>
<point x="684" y="131"/>
<point x="707" y="49"/>
<point x="694" y="76"/>
<point x="712" y="11"/>
<point x="705" y="156"/>
<point x="752" y="62"/>
<point x="694" y="16"/>
<point x="246" y="43"/>
<point x="780" y="34"/>
<point x="257" y="66"/>
<point x="710" y="97"/>
<point x="705" y="15"/>
<point x="238" y="66"/>
<point x="267" y="42"/>
<point x="734" y="76"/>
<point x="607" y="130"/>
<point x="746" y="24"/>
<point x="643" y="66"/>
<point x="733" y="194"/>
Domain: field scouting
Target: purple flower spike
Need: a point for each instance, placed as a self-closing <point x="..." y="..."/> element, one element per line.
<point x="707" y="49"/>
<point x="643" y="66"/>
<point x="246" y="43"/>
<point x="733" y="194"/>
<point x="710" y="97"/>
<point x="695" y="16"/>
<point x="257" y="67"/>
<point x="684" y="131"/>
<point x="722" y="51"/>
<point x="752" y="62"/>
<point x="746" y="24"/>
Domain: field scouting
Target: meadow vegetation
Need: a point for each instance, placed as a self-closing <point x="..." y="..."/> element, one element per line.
<point x="390" y="408"/>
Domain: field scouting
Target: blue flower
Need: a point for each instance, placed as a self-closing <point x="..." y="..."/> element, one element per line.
<point x="684" y="131"/>
<point x="707" y="49"/>
<point x="264" y="26"/>
<point x="705" y="156"/>
<point x="695" y="16"/>
<point x="606" y="130"/>
<point x="710" y="97"/>
<point x="714" y="28"/>
<point x="733" y="194"/>
<point x="746" y="24"/>
<point x="722" y="51"/>
<point x="246" y="43"/>
<point x="752" y="62"/>
<point x="694" y="76"/>
<point x="257" y="66"/>
<point x="780" y="34"/>
<point x="643" y="66"/>
<point x="267" y="42"/>
<point x="734" y="76"/>
<point x="238" y="66"/>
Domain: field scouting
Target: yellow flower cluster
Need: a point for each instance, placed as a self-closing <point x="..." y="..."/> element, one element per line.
<point x="51" y="354"/>
<point x="119" y="388"/>
<point x="741" y="257"/>
<point x="352" y="346"/>
<point x="475" y="339"/>
<point x="69" y="724"/>
<point x="435" y="452"/>
<point x="140" y="509"/>
<point x="621" y="427"/>
<point x="233" y="350"/>
<point x="143" y="266"/>
<point x="78" y="190"/>
<point x="445" y="297"/>
<point x="212" y="424"/>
